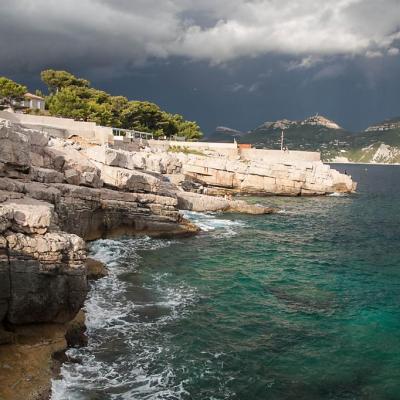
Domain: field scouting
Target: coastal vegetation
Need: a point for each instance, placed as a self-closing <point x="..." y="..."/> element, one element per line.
<point x="10" y="93"/>
<point x="184" y="150"/>
<point x="73" y="97"/>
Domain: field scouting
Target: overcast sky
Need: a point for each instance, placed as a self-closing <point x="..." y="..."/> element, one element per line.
<point x="221" y="62"/>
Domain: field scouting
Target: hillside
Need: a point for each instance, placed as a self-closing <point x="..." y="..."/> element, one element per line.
<point x="389" y="124"/>
<point x="313" y="133"/>
<point x="379" y="143"/>
<point x="373" y="147"/>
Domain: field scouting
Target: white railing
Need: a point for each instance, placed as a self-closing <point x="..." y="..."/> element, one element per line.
<point x="133" y="134"/>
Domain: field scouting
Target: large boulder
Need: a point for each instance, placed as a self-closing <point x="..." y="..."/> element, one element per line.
<point x="14" y="146"/>
<point x="160" y="162"/>
<point x="27" y="215"/>
<point x="95" y="269"/>
<point x="45" y="175"/>
<point x="201" y="203"/>
<point x="115" y="158"/>
<point x="77" y="169"/>
<point x="135" y="181"/>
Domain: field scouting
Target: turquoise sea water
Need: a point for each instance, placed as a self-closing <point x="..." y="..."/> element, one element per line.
<point x="304" y="304"/>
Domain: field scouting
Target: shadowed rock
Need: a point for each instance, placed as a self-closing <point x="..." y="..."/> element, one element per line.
<point x="95" y="269"/>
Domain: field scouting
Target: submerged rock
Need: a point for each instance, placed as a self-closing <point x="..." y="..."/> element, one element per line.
<point x="75" y="334"/>
<point x="95" y="269"/>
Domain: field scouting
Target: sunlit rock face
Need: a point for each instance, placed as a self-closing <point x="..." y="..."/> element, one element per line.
<point x="261" y="175"/>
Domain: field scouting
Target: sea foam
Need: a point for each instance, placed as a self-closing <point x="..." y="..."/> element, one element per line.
<point x="209" y="222"/>
<point x="112" y="318"/>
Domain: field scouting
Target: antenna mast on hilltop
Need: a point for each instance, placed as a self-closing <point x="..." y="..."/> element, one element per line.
<point x="282" y="137"/>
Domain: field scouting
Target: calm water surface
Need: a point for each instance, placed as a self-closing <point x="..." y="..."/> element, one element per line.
<point x="304" y="304"/>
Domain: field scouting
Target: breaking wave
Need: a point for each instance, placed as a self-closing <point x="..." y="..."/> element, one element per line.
<point x="124" y="332"/>
<point x="338" y="194"/>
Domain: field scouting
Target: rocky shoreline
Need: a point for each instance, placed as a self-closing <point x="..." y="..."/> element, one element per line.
<point x="55" y="194"/>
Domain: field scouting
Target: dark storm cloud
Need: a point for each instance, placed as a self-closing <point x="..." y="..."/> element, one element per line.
<point x="355" y="92"/>
<point x="230" y="62"/>
<point x="36" y="32"/>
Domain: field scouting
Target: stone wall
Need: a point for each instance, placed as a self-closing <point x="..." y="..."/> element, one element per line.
<point x="193" y="145"/>
<point x="229" y="150"/>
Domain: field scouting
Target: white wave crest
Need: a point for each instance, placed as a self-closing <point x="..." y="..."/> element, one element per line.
<point x="209" y="222"/>
<point x="338" y="194"/>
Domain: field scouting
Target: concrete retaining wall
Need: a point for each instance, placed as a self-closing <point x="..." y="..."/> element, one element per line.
<point x="62" y="127"/>
<point x="278" y="156"/>
<point x="193" y="145"/>
<point x="231" y="150"/>
<point x="228" y="150"/>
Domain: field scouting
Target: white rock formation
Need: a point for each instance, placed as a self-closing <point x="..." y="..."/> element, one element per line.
<point x="319" y="120"/>
<point x="241" y="176"/>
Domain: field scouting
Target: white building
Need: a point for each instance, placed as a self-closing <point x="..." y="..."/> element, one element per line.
<point x="33" y="102"/>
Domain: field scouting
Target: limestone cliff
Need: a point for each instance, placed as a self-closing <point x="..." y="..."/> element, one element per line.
<point x="239" y="174"/>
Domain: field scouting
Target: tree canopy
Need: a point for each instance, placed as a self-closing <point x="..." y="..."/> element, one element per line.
<point x="11" y="93"/>
<point x="73" y="97"/>
<point x="56" y="80"/>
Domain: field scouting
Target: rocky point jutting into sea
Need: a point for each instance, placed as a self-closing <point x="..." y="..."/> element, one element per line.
<point x="58" y="191"/>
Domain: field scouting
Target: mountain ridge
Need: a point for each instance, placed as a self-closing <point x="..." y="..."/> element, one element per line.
<point x="314" y="120"/>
